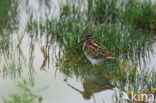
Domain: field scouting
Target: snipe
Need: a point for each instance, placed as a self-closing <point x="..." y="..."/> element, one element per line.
<point x="95" y="52"/>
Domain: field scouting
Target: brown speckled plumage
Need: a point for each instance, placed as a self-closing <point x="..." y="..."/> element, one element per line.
<point x="94" y="50"/>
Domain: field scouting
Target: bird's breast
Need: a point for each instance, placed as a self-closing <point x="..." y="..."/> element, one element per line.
<point x="95" y="60"/>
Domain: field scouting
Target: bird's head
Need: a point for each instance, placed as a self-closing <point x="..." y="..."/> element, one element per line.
<point x="87" y="37"/>
<point x="86" y="95"/>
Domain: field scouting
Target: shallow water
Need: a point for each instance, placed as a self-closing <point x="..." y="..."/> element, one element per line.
<point x="58" y="90"/>
<point x="54" y="81"/>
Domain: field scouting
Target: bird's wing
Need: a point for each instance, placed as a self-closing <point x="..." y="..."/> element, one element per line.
<point x="103" y="52"/>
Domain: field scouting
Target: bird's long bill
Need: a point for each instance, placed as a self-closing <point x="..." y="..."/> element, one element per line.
<point x="76" y="45"/>
<point x="75" y="88"/>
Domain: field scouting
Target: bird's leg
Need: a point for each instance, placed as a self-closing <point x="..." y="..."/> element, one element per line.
<point x="97" y="65"/>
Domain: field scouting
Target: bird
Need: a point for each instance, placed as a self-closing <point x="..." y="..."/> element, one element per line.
<point x="95" y="52"/>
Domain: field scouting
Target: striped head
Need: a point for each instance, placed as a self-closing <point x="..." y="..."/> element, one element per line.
<point x="88" y="37"/>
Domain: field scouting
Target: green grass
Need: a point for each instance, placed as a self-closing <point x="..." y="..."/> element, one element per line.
<point x="118" y="35"/>
<point x="8" y="14"/>
<point x="116" y="39"/>
<point x="4" y="17"/>
<point x="100" y="11"/>
<point x="107" y="22"/>
<point x="141" y="14"/>
<point x="8" y="22"/>
<point x="134" y="12"/>
<point x="123" y="30"/>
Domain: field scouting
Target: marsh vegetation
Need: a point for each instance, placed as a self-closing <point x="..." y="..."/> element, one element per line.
<point x="35" y="38"/>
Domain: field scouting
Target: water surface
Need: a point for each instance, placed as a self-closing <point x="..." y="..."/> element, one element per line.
<point x="43" y="72"/>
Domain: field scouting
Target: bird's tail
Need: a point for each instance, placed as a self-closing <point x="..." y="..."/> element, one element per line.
<point x="110" y="57"/>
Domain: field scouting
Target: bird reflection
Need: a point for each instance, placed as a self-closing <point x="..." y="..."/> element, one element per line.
<point x="93" y="84"/>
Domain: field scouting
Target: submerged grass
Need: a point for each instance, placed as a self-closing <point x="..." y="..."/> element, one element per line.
<point x="122" y="75"/>
<point x="136" y="82"/>
<point x="12" y="68"/>
<point x="26" y="95"/>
